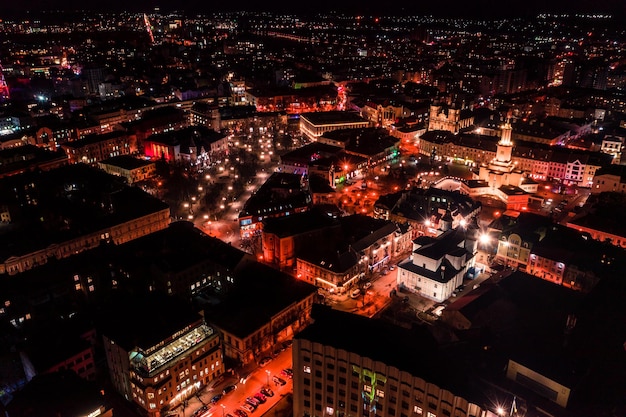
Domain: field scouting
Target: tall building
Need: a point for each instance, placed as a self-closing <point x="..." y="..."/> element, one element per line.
<point x="347" y="365"/>
<point x="159" y="361"/>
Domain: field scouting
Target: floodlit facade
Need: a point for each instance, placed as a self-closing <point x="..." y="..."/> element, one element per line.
<point x="160" y="376"/>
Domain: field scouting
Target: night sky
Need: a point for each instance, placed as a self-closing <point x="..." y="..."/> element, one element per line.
<point x="485" y="8"/>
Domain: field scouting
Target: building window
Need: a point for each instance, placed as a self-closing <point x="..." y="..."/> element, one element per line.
<point x="307" y="369"/>
<point x="417" y="409"/>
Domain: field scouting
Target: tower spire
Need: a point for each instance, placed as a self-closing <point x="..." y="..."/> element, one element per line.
<point x="505" y="138"/>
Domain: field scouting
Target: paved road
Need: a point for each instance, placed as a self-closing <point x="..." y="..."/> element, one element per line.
<point x="256" y="379"/>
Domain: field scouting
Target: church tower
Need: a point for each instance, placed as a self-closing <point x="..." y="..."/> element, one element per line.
<point x="505" y="146"/>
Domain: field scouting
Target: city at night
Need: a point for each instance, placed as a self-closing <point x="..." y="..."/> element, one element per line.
<point x="313" y="210"/>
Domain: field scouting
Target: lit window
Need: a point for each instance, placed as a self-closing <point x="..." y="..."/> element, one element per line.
<point x="307" y="369"/>
<point x="417" y="409"/>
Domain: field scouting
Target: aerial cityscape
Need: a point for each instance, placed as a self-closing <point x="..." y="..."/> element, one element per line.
<point x="312" y="211"/>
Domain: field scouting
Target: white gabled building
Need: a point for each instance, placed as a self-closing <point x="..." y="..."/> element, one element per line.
<point x="438" y="265"/>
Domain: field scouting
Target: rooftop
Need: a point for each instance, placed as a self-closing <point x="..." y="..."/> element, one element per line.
<point x="333" y="117"/>
<point x="126" y="162"/>
<point x="58" y="394"/>
<point x="124" y="320"/>
<point x="63" y="203"/>
<point x="414" y="350"/>
<point x="259" y="294"/>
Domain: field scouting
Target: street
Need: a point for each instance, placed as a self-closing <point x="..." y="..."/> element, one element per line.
<point x="257" y="378"/>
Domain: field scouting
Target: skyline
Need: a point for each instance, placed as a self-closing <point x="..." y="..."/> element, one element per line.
<point x="454" y="8"/>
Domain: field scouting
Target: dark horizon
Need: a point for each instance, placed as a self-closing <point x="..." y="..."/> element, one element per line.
<point x="455" y="8"/>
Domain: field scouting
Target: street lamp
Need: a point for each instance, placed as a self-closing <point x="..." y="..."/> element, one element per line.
<point x="267" y="371"/>
<point x="223" y="409"/>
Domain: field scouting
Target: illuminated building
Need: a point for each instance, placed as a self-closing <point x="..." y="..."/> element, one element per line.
<point x="438" y="265"/>
<point x="610" y="179"/>
<point x="283" y="238"/>
<point x="196" y="145"/>
<point x="262" y="308"/>
<point x="449" y="119"/>
<point x="158" y="120"/>
<point x="313" y="125"/>
<point x="424" y="209"/>
<point x="353" y="249"/>
<point x="532" y="243"/>
<point x="131" y="168"/>
<point x="164" y="360"/>
<point x="95" y="148"/>
<point x="344" y="366"/>
<point x="502" y="170"/>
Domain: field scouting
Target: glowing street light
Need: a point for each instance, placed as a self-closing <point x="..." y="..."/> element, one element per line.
<point x="267" y="372"/>
<point x="484" y="239"/>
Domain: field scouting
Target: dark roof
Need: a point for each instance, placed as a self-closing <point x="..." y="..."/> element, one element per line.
<point x="259" y="293"/>
<point x="179" y="247"/>
<point x="320" y="185"/>
<point x="604" y="212"/>
<point x="444" y="273"/>
<point x="297" y="224"/>
<point x="58" y="394"/>
<point x="521" y="309"/>
<point x="126" y="162"/>
<point x="613" y="169"/>
<point x="332" y="117"/>
<point x="200" y="136"/>
<point x="124" y="320"/>
<point x="281" y="192"/>
<point x="26" y="156"/>
<point x="411" y="350"/>
<point x="363" y="141"/>
<point x="95" y="138"/>
<point x="307" y="154"/>
<point x="78" y="195"/>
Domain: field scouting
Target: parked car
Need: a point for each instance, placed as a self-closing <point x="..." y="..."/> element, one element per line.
<point x="355" y="293"/>
<point x="287" y="343"/>
<point x="392" y="267"/>
<point x="279" y="381"/>
<point x="267" y="392"/>
<point x="248" y="407"/>
<point x="253" y="401"/>
<point x="264" y="361"/>
<point x="240" y="413"/>
<point x="260" y="397"/>
<point x="200" y="411"/>
<point x="228" y="389"/>
<point x="367" y="285"/>
<point x="288" y="372"/>
<point x="216" y="398"/>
